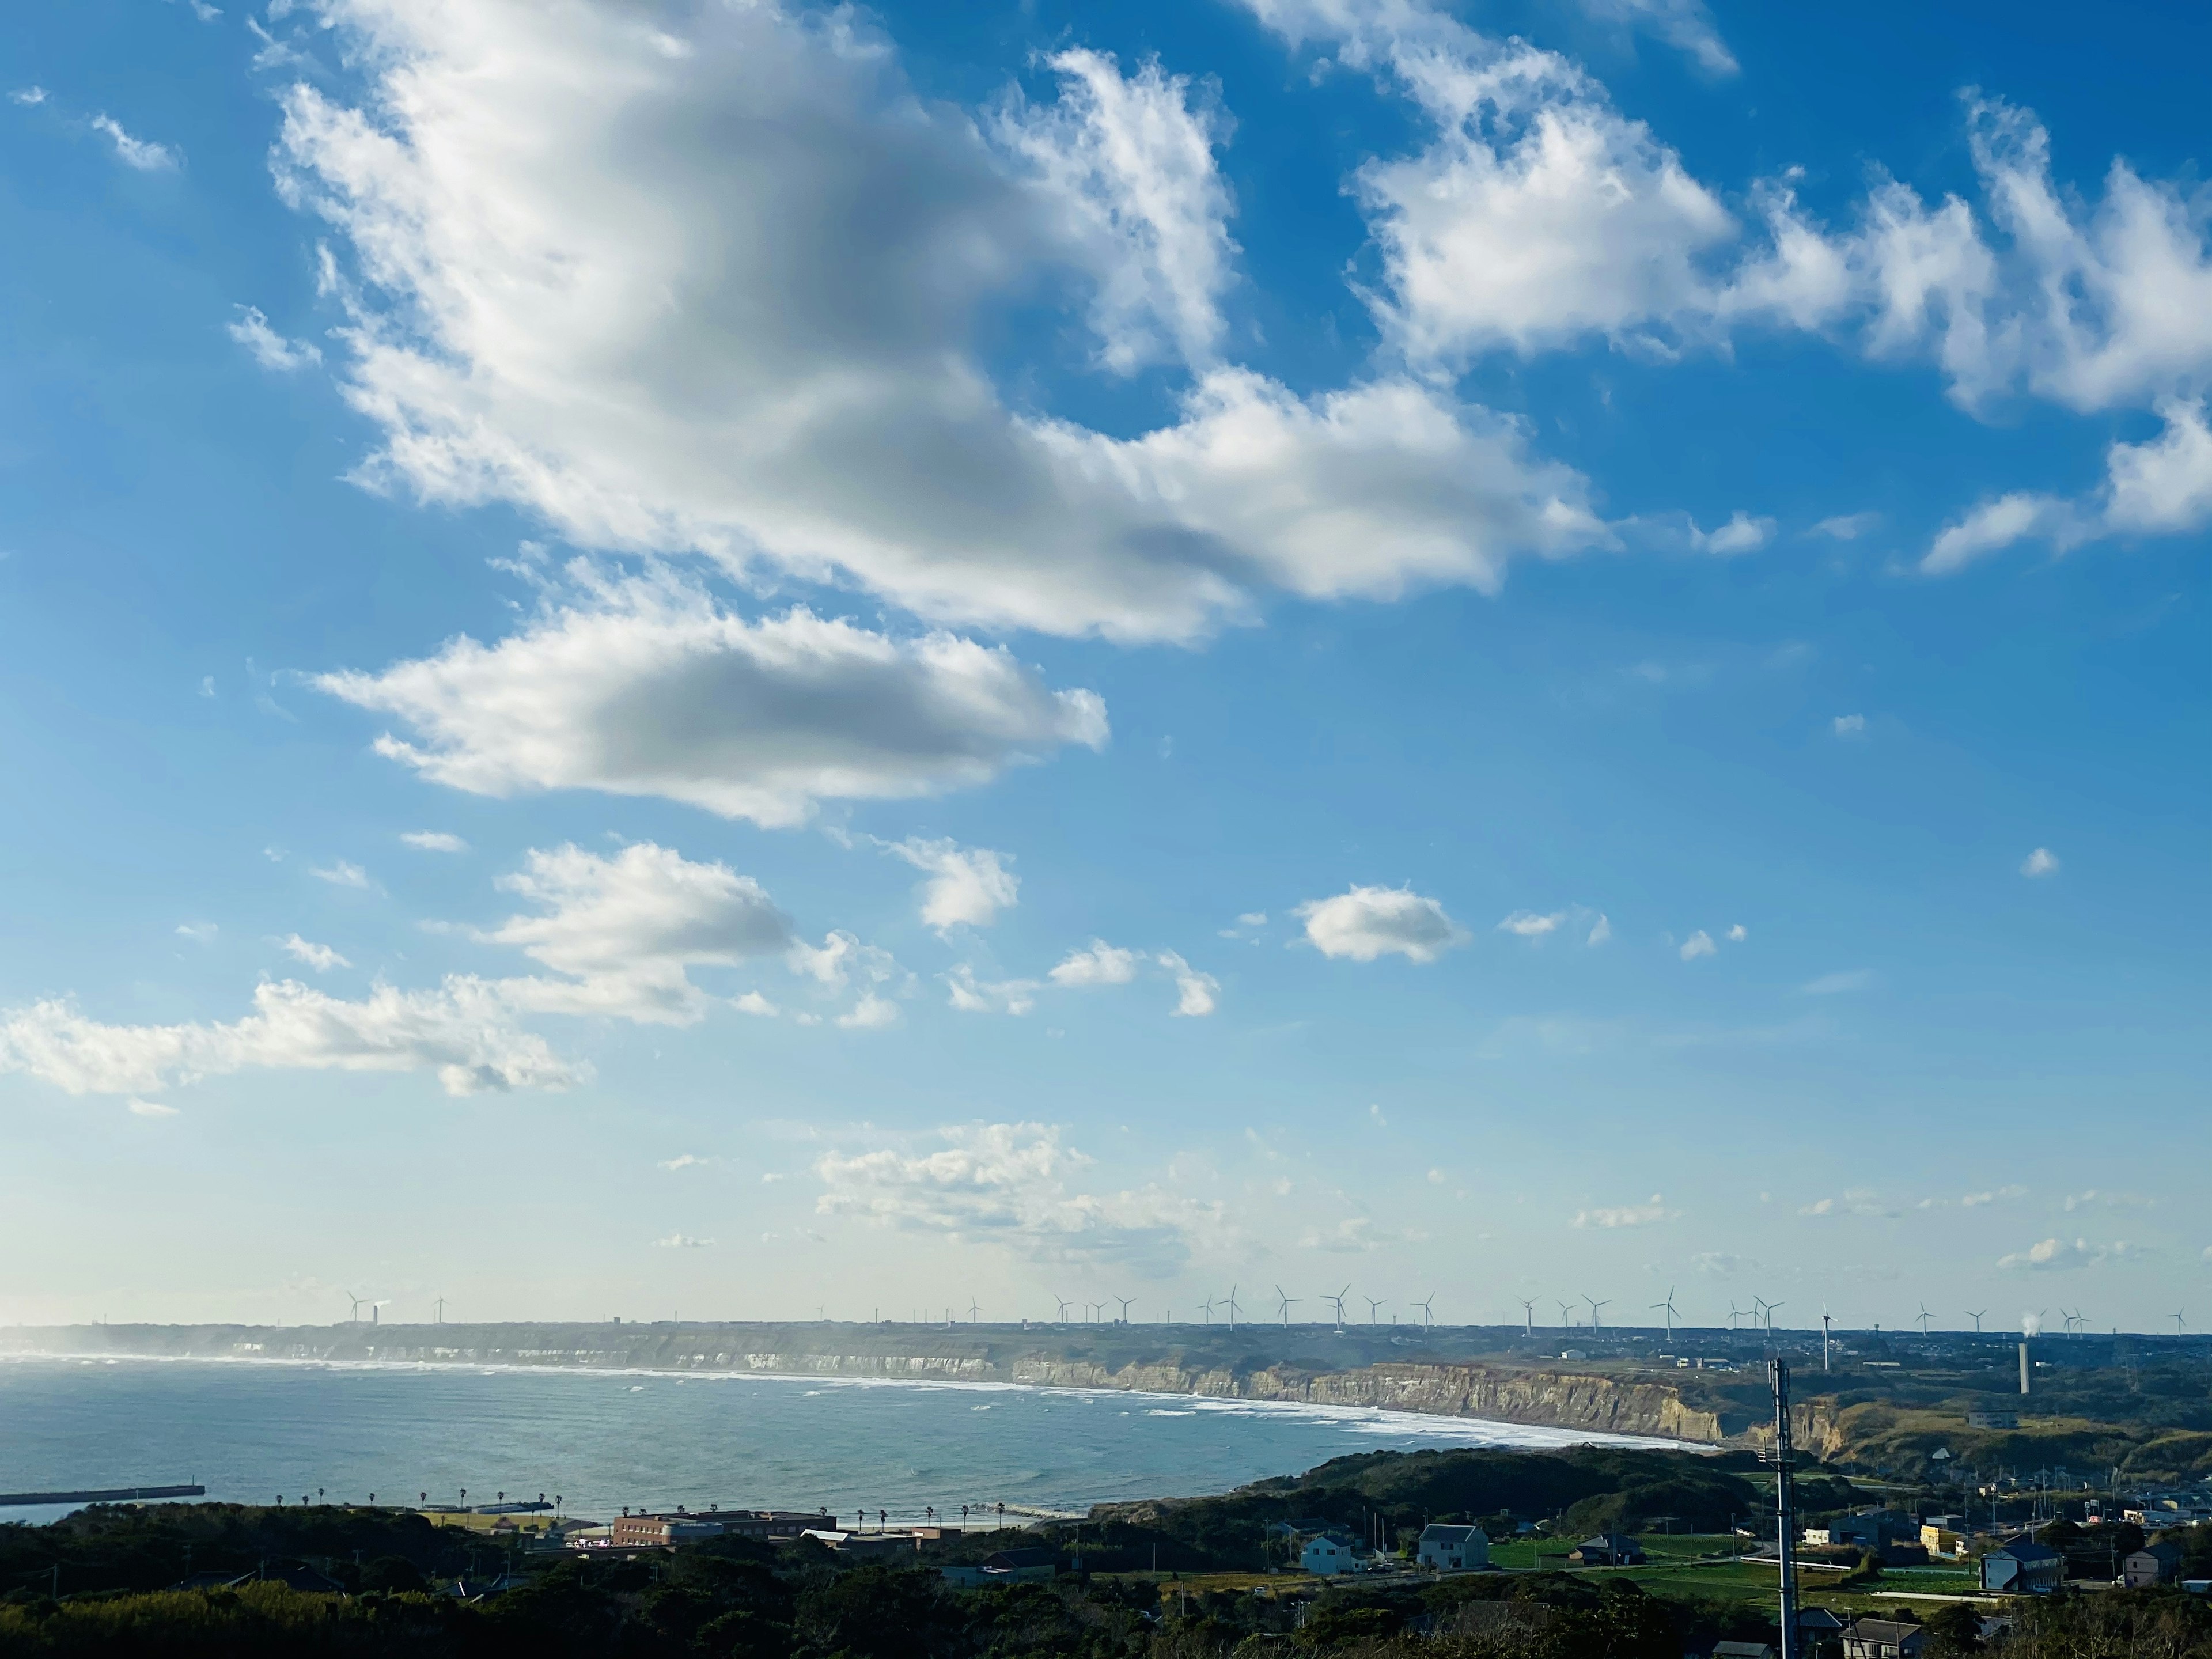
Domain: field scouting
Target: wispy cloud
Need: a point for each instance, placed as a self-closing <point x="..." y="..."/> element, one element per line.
<point x="433" y="841"/>
<point x="681" y="1242"/>
<point x="2039" y="863"/>
<point x="1630" y="1215"/>
<point x="151" y="1109"/>
<point x="139" y="153"/>
<point x="344" y="873"/>
<point x="269" y="349"/>
<point x="321" y="957"/>
<point x="2059" y="1256"/>
<point x="1838" y="984"/>
<point x="1850" y="726"/>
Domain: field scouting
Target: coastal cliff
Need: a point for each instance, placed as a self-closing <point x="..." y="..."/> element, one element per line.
<point x="1247" y="1362"/>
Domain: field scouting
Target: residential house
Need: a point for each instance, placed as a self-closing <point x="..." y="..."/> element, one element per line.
<point x="1326" y="1554"/>
<point x="1743" y="1650"/>
<point x="1883" y="1638"/>
<point x="1944" y="1535"/>
<point x="2020" y="1566"/>
<point x="1610" y="1549"/>
<point x="2152" y="1564"/>
<point x="1021" y="1566"/>
<point x="1454" y="1549"/>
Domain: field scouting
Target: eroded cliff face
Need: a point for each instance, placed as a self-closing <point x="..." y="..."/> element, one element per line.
<point x="1541" y="1396"/>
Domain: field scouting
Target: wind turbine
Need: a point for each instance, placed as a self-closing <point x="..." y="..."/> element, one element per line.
<point x="1529" y="1314"/>
<point x="2180" y="1323"/>
<point x="1338" y="1301"/>
<point x="1771" y="1307"/>
<point x="973" y="1309"/>
<point x="1976" y="1318"/>
<point x="1826" y="1332"/>
<point x="1286" y="1304"/>
<point x="1668" y="1305"/>
<point x="1125" y="1301"/>
<point x="354" y="1318"/>
<point x="1734" y="1314"/>
<point x="1566" y="1307"/>
<point x="1923" y="1320"/>
<point x="1758" y="1310"/>
<point x="1594" y="1306"/>
<point x="1207" y="1305"/>
<point x="1428" y="1312"/>
<point x="1233" y="1309"/>
<point x="1372" y="1305"/>
<point x="1064" y="1304"/>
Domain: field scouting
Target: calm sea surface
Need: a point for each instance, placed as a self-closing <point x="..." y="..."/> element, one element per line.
<point x="250" y="1431"/>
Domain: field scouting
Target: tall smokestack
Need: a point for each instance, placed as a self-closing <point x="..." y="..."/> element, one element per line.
<point x="2023" y="1368"/>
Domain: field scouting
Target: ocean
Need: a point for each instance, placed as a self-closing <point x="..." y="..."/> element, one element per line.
<point x="252" y="1432"/>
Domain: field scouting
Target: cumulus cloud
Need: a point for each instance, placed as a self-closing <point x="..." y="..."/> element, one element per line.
<point x="967" y="885"/>
<point x="269" y="349"/>
<point x="1737" y="933"/>
<point x="623" y="932"/>
<point x="27" y="96"/>
<point x="1130" y="163"/>
<point x="2060" y="1254"/>
<point x="1197" y="994"/>
<point x="464" y="1030"/>
<point x="647" y="687"/>
<point x="684" y="1161"/>
<point x="975" y="996"/>
<point x="343" y="872"/>
<point x="321" y="957"/>
<point x="1528" y="924"/>
<point x="1699" y="944"/>
<point x="759" y="348"/>
<point x="2161" y="487"/>
<point x="140" y="154"/>
<point x="619" y="935"/>
<point x="1364" y="923"/>
<point x="2041" y="862"/>
<point x="1848" y="526"/>
<point x="1102" y="964"/>
<point x="1009" y="1184"/>
<point x="1850" y="726"/>
<point x="433" y="840"/>
<point x="1630" y="1215"/>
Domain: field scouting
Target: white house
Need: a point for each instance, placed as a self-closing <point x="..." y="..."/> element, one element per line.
<point x="1325" y="1555"/>
<point x="1454" y="1549"/>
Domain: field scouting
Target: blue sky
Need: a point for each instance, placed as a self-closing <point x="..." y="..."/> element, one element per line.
<point x="733" y="661"/>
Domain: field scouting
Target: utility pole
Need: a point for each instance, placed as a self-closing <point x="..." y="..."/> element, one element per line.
<point x="1782" y="1459"/>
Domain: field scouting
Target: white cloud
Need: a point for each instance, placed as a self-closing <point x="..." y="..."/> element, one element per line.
<point x="200" y="932"/>
<point x="1102" y="964"/>
<point x="2041" y="862"/>
<point x="1838" y="984"/>
<point x="344" y="873"/>
<point x="1631" y="1215"/>
<point x="972" y="995"/>
<point x="1819" y="1206"/>
<point x="433" y="840"/>
<point x="753" y="1003"/>
<point x="647" y="687"/>
<point x="1528" y="924"/>
<point x="1738" y="933"/>
<point x="1197" y="994"/>
<point x="1600" y="932"/>
<point x="1850" y="726"/>
<point x="27" y="95"/>
<point x="1364" y="923"/>
<point x="1253" y="918"/>
<point x="869" y="1013"/>
<point x="151" y="1109"/>
<point x="1008" y="1184"/>
<point x="141" y="154"/>
<point x="967" y="885"/>
<point x="1741" y="534"/>
<point x="1722" y="1264"/>
<point x="1685" y="25"/>
<point x="1973" y="1201"/>
<point x="1129" y="163"/>
<point x="1699" y="944"/>
<point x="685" y="1161"/>
<point x="2161" y="487"/>
<point x="757" y="348"/>
<point x="623" y="932"/>
<point x="1537" y="213"/>
<point x="2059" y="1255"/>
<point x="464" y="1030"/>
<point x="270" y="349"/>
<point x="681" y="1242"/>
<point x="321" y="957"/>
<point x="1848" y="526"/>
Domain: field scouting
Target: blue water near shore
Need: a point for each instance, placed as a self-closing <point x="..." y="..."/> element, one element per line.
<point x="249" y="1432"/>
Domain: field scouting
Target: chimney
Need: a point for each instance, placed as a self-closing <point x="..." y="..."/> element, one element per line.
<point x="2023" y="1368"/>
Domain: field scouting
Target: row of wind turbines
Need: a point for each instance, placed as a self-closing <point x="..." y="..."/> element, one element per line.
<point x="1232" y="1308"/>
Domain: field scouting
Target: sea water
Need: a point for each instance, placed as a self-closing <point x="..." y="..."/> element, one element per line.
<point x="598" y="1440"/>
